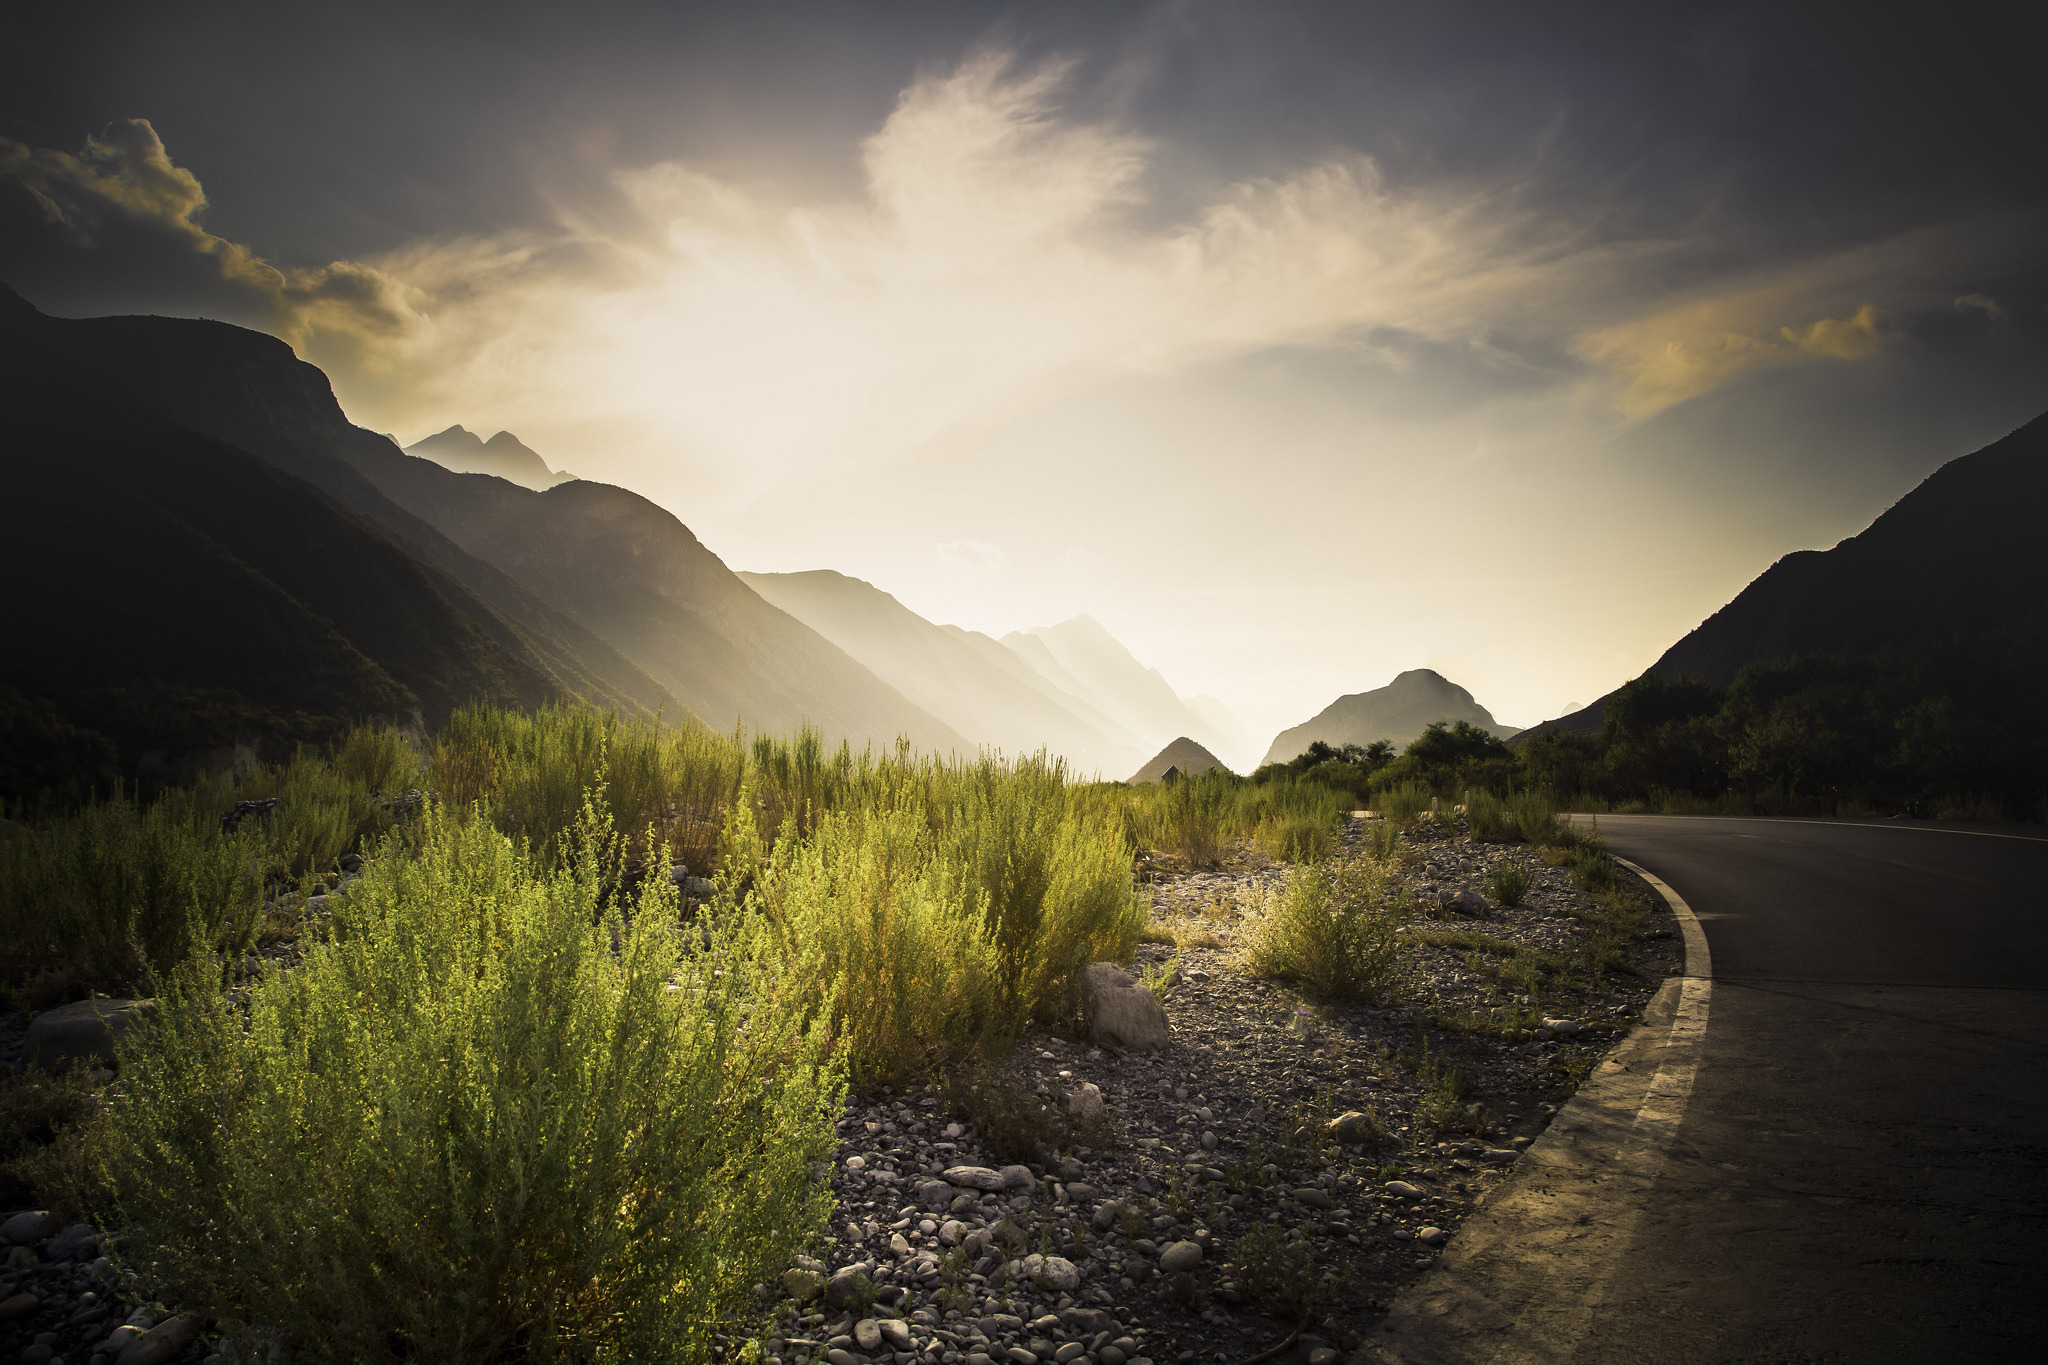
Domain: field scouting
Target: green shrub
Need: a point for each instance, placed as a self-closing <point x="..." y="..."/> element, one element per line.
<point x="1278" y="1272"/>
<point x="492" y="1118"/>
<point x="1535" y="819"/>
<point x="1302" y="838"/>
<point x="1331" y="928"/>
<point x="1384" y="844"/>
<point x="948" y="911"/>
<point x="120" y="891"/>
<point x="1405" y="804"/>
<point x="1508" y="881"/>
<point x="1488" y="818"/>
<point x="1592" y="869"/>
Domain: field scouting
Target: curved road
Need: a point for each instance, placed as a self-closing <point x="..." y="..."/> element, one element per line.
<point x="1861" y="1170"/>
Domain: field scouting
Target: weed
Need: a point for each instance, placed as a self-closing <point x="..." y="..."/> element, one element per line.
<point x="1384" y="844"/>
<point x="1508" y="881"/>
<point x="1403" y="805"/>
<point x="1277" y="1271"/>
<point x="1331" y="929"/>
<point x="1159" y="978"/>
<point x="51" y="1139"/>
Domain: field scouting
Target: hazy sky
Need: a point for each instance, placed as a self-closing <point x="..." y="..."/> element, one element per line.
<point x="1299" y="344"/>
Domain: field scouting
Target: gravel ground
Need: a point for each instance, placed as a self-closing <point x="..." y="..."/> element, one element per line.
<point x="1211" y="1192"/>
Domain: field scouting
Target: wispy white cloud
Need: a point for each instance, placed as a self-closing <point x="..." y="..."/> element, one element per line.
<point x="970" y="554"/>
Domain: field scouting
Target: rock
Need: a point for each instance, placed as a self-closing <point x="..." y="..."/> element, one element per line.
<point x="856" y="1163"/>
<point x="1121" y="1013"/>
<point x="1466" y="901"/>
<point x="118" y="1339"/>
<point x="25" y="1228"/>
<point x="1106" y="1216"/>
<point x="1352" y="1127"/>
<point x="896" y="1332"/>
<point x="1087" y="1321"/>
<point x="1111" y="1355"/>
<point x="836" y="1356"/>
<point x="84" y="1030"/>
<point x="19" y="1306"/>
<point x="1564" y="1028"/>
<point x="847" y="1288"/>
<point x="1436" y="1237"/>
<point x="953" y="1233"/>
<point x="1180" y="1256"/>
<point x="934" y="1194"/>
<point x="1401" y="1189"/>
<point x="1018" y="1178"/>
<point x="1048" y="1272"/>
<point x="977" y="1178"/>
<point x="79" y="1242"/>
<point x="1499" y="1156"/>
<point x="1019" y="1356"/>
<point x="1312" y="1196"/>
<point x="899" y="1244"/>
<point x="1079" y="1192"/>
<point x="1085" y="1104"/>
<point x="1324" y="1355"/>
<point x="162" y="1343"/>
<point x="867" y="1334"/>
<point x="802" y="1285"/>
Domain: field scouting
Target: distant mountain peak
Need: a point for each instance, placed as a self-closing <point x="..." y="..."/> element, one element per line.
<point x="1183" y="758"/>
<point x="504" y="455"/>
<point x="1397" y="713"/>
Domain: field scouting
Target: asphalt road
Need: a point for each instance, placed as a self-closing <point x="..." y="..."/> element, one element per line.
<point x="1861" y="1173"/>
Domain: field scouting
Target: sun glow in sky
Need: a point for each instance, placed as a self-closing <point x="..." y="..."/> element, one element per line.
<point x="1287" y="420"/>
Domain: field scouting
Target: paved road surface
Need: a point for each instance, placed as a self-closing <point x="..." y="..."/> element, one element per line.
<point x="1861" y="1170"/>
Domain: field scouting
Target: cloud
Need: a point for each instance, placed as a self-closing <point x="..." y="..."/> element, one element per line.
<point x="970" y="554"/>
<point x="127" y="171"/>
<point x="1983" y="303"/>
<point x="1001" y="252"/>
<point x="1684" y="352"/>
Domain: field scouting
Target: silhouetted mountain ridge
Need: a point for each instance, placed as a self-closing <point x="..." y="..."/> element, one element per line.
<point x="1956" y="563"/>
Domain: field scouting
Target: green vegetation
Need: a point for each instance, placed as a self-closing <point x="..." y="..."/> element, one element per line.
<point x="1200" y="818"/>
<point x="1508" y="881"/>
<point x="500" y="1110"/>
<point x="520" y="1098"/>
<point x="1331" y="929"/>
<point x="1817" y="734"/>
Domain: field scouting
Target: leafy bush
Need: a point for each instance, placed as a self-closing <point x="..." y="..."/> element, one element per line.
<point x="1331" y="929"/>
<point x="494" y="1117"/>
<point x="1508" y="881"/>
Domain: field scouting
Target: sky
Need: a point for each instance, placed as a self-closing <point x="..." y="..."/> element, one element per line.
<point x="1298" y="344"/>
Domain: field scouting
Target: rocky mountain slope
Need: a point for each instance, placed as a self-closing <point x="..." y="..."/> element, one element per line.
<point x="1080" y="657"/>
<point x="1952" y="570"/>
<point x="1396" y="713"/>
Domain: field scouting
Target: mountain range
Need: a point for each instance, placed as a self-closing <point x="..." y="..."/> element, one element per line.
<point x="261" y="568"/>
<point x="1071" y="688"/>
<point x="1941" y="579"/>
<point x="214" y="544"/>
<point x="504" y="455"/>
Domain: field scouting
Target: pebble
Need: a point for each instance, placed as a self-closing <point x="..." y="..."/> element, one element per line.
<point x="1177" y="1256"/>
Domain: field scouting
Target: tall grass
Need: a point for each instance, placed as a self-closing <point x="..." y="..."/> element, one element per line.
<point x="493" y="1117"/>
<point x="122" y="892"/>
<point x="1201" y="818"/>
<point x="1331" y="930"/>
<point x="1526" y="817"/>
<point x="1404" y="803"/>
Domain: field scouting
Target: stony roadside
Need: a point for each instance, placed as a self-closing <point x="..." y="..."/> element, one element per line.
<point x="1085" y="1202"/>
<point x="1273" y="1154"/>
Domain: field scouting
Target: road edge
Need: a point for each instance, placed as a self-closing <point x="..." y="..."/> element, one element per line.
<point x="1523" y="1279"/>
